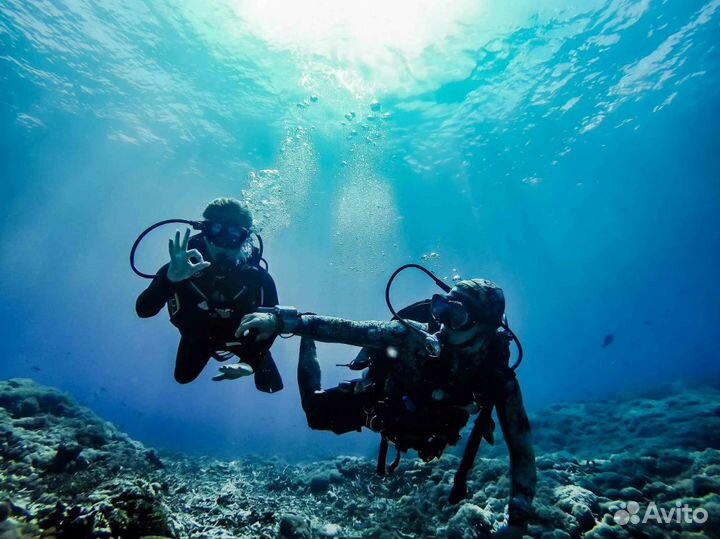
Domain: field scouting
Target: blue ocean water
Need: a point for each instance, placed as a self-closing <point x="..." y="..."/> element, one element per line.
<point x="567" y="151"/>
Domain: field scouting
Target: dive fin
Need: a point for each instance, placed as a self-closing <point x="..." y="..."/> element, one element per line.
<point x="489" y="431"/>
<point x="267" y="376"/>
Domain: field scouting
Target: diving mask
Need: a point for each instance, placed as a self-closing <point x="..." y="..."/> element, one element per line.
<point x="451" y="313"/>
<point x="224" y="235"/>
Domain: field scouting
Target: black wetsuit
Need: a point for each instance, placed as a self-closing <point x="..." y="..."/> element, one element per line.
<point x="207" y="310"/>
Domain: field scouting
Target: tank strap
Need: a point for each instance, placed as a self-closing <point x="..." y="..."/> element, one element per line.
<point x="197" y="289"/>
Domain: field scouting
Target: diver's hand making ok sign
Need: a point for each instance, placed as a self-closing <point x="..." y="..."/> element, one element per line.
<point x="183" y="263"/>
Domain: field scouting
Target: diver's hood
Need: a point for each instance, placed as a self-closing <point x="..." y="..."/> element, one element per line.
<point x="483" y="299"/>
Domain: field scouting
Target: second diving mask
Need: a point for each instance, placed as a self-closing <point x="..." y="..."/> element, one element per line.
<point x="451" y="313"/>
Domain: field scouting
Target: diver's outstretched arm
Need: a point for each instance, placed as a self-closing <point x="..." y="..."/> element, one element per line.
<point x="371" y="333"/>
<point x="516" y="429"/>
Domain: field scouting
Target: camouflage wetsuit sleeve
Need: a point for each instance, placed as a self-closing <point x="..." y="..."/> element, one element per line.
<point x="518" y="437"/>
<point x="370" y="333"/>
<point x="153" y="298"/>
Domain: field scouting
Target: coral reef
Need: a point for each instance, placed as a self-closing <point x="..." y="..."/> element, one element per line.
<point x="66" y="474"/>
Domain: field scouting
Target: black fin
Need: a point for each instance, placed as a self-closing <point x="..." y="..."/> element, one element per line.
<point x="267" y="376"/>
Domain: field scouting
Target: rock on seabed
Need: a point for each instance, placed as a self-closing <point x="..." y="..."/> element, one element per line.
<point x="67" y="474"/>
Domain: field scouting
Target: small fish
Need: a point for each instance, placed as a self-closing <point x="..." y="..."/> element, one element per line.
<point x="608" y="340"/>
<point x="35" y="368"/>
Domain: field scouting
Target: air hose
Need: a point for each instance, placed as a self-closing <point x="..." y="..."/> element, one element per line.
<point x="196" y="225"/>
<point x="445" y="288"/>
<point x="429" y="273"/>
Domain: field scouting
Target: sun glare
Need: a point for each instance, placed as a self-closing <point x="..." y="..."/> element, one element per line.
<point x="356" y="30"/>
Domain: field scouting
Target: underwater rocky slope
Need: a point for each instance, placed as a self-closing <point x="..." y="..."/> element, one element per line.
<point x="65" y="473"/>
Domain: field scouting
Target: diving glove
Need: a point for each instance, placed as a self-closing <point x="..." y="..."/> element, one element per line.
<point x="233" y="372"/>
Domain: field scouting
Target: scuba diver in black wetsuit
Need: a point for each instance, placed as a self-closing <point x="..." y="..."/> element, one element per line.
<point x="212" y="280"/>
<point x="424" y="374"/>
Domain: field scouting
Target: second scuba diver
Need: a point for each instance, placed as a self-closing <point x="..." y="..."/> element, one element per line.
<point x="213" y="279"/>
<point x="424" y="374"/>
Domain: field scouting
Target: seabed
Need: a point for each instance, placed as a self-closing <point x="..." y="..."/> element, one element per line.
<point x="66" y="473"/>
